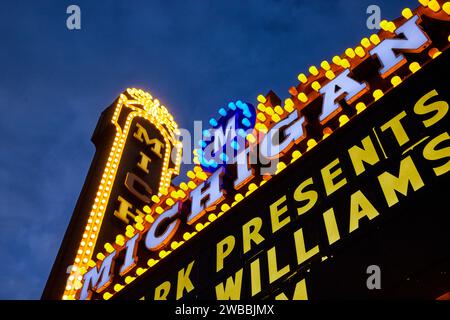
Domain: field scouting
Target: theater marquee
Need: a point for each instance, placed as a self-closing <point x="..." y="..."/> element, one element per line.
<point x="351" y="170"/>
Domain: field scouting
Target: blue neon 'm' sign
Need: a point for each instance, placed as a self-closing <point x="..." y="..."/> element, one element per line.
<point x="226" y="139"/>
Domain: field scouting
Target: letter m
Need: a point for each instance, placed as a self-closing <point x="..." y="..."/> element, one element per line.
<point x="221" y="141"/>
<point x="408" y="175"/>
<point x="97" y="279"/>
<point x="414" y="40"/>
<point x="224" y="137"/>
<point x="232" y="288"/>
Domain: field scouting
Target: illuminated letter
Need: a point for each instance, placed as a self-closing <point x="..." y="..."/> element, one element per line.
<point x="142" y="135"/>
<point x="300" y="248"/>
<point x="273" y="149"/>
<point x="162" y="291"/>
<point x="145" y="160"/>
<point x="130" y="181"/>
<point x="310" y="196"/>
<point x="328" y="177"/>
<point x="251" y="235"/>
<point x="396" y="126"/>
<point x="415" y="41"/>
<point x="222" y="253"/>
<point x="439" y="108"/>
<point x="430" y="153"/>
<point x="408" y="174"/>
<point x="274" y="272"/>
<point x="130" y="254"/>
<point x="331" y="226"/>
<point x="184" y="282"/>
<point x="275" y="214"/>
<point x="367" y="154"/>
<point x="359" y="201"/>
<point x="255" y="273"/>
<point x="299" y="293"/>
<point x="221" y="140"/>
<point x="337" y="88"/>
<point x="232" y="290"/>
<point x="97" y="279"/>
<point x="124" y="210"/>
<point x="154" y="242"/>
<point x="202" y="199"/>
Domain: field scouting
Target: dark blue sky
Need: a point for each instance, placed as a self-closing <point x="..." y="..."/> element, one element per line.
<point x="195" y="56"/>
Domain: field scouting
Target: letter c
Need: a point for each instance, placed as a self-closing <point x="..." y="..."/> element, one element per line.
<point x="154" y="242"/>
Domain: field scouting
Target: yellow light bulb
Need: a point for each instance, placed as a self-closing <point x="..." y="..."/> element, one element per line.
<point x="316" y="86"/>
<point x="330" y="75"/>
<point x="446" y="7"/>
<point x="350" y="53"/>
<point x="377" y="94"/>
<point x="313" y="70"/>
<point x="375" y="39"/>
<point x="279" y="110"/>
<point x="337" y="60"/>
<point x="302" y="78"/>
<point x="360" y="52"/>
<point x="251" y="138"/>
<point x="360" y="106"/>
<point x="261" y="117"/>
<point x="365" y="42"/>
<point x="325" y="65"/>
<point x="414" y="67"/>
<point x="261" y="98"/>
<point x="302" y="97"/>
<point x="269" y="111"/>
<point x="434" y="6"/>
<point x="407" y="13"/>
<point x="396" y="80"/>
<point x="343" y="120"/>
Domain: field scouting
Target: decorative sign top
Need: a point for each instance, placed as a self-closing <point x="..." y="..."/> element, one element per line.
<point x="137" y="165"/>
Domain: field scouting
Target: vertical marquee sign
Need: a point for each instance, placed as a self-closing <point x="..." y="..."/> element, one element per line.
<point x="345" y="170"/>
<point x="135" y="138"/>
